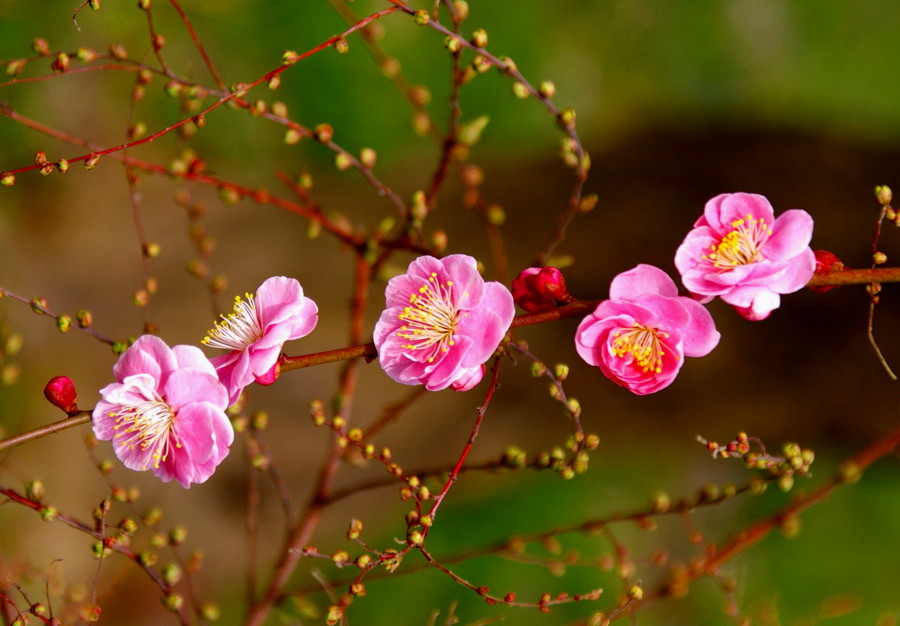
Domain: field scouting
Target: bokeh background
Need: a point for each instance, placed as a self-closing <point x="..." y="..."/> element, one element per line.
<point x="676" y="102"/>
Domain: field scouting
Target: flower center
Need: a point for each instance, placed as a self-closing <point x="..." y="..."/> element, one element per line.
<point x="430" y="320"/>
<point x="148" y="425"/>
<point x="237" y="330"/>
<point x="644" y="344"/>
<point x="741" y="246"/>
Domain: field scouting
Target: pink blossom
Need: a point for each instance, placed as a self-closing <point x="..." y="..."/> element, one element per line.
<point x="442" y="322"/>
<point x="741" y="253"/>
<point x="640" y="336"/>
<point x="165" y="412"/>
<point x="256" y="331"/>
<point x="539" y="289"/>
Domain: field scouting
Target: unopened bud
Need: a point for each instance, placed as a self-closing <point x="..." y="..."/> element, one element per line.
<point x="479" y="38"/>
<point x="884" y="194"/>
<point x="540" y="289"/>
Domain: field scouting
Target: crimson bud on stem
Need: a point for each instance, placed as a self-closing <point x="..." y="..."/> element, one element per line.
<point x="60" y="391"/>
<point x="540" y="289"/>
<point x="826" y="262"/>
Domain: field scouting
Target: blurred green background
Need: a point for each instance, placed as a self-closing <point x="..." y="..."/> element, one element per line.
<point x="676" y="102"/>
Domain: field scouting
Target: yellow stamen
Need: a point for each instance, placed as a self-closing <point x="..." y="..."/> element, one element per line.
<point x="644" y="344"/>
<point x="741" y="246"/>
<point x="148" y="425"/>
<point x="430" y="319"/>
<point x="239" y="329"/>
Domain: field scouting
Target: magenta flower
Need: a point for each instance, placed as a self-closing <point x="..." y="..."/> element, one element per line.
<point x="741" y="253"/>
<point x="165" y="412"/>
<point x="442" y="322"/>
<point x="256" y="331"/>
<point x="540" y="289"/>
<point x="640" y="336"/>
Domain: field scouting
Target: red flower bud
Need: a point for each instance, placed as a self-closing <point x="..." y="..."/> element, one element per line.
<point x="826" y="262"/>
<point x="540" y="289"/>
<point x="60" y="391"/>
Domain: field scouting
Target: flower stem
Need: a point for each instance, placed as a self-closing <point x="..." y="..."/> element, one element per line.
<point x="81" y="418"/>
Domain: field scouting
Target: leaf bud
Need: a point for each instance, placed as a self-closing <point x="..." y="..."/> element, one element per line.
<point x="39" y="305"/>
<point x="368" y="157"/>
<point x="341" y="46"/>
<point x="177" y="535"/>
<point x="64" y="323"/>
<point x="7" y="179"/>
<point x="86" y="55"/>
<point x="422" y="17"/>
<point x="479" y="38"/>
<point x="452" y="43"/>
<point x="323" y="133"/>
<point x="84" y="318"/>
<point x="171" y="574"/>
<point x="884" y="194"/>
<point x="547" y="89"/>
<point x="41" y="46"/>
<point x="173" y="602"/>
<point x="481" y="64"/>
<point x="34" y="490"/>
<point x="567" y="118"/>
<point x="61" y="62"/>
<point x="118" y="51"/>
<point x="520" y="90"/>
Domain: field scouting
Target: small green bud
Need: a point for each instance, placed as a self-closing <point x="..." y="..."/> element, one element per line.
<point x="884" y="194"/>
<point x="178" y="535"/>
<point x="173" y="602"/>
<point x="567" y="118"/>
<point x="547" y="89"/>
<point x="495" y="215"/>
<point x="422" y="17"/>
<point x="342" y="46"/>
<point x="323" y="133"/>
<point x="7" y="179"/>
<point x="171" y="574"/>
<point x="452" y="43"/>
<point x="879" y="258"/>
<point x="64" y="323"/>
<point x="479" y="38"/>
<point x="520" y="90"/>
<point x="211" y="612"/>
<point x="34" y="490"/>
<point x="367" y="156"/>
<point x="292" y="136"/>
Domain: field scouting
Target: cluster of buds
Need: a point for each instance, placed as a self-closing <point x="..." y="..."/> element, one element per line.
<point x="795" y="462"/>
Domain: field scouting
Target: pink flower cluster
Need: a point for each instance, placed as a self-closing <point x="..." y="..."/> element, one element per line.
<point x="166" y="410"/>
<point x="441" y="323"/>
